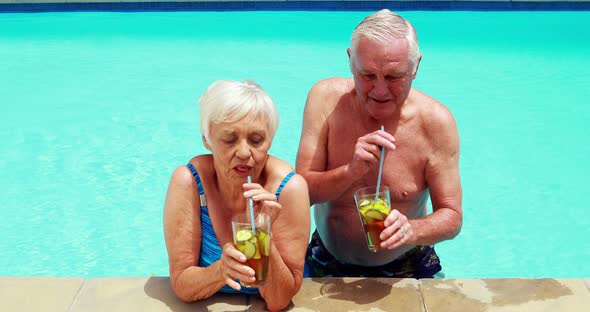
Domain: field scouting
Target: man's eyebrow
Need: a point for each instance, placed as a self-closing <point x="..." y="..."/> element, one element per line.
<point x="259" y="132"/>
<point x="398" y="73"/>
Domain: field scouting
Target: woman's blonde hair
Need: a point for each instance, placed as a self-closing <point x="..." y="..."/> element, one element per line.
<point x="230" y="101"/>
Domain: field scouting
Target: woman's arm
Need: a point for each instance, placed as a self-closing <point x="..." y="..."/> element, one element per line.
<point x="182" y="233"/>
<point x="289" y="239"/>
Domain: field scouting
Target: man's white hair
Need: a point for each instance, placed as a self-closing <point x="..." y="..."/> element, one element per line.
<point x="384" y="25"/>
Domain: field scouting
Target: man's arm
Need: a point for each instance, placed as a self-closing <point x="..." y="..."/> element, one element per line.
<point x="442" y="176"/>
<point x="312" y="160"/>
<point x="313" y="147"/>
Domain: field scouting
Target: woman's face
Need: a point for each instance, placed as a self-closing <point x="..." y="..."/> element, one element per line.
<point x="240" y="148"/>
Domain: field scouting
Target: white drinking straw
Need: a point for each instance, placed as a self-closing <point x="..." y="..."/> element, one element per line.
<point x="251" y="204"/>
<point x="380" y="167"/>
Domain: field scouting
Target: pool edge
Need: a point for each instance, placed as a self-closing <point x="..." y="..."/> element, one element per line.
<point x="317" y="294"/>
<point x="37" y="6"/>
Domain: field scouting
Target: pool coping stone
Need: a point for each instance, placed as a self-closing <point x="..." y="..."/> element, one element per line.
<point x="115" y="294"/>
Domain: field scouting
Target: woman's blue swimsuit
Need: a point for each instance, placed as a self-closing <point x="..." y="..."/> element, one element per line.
<point x="210" y="249"/>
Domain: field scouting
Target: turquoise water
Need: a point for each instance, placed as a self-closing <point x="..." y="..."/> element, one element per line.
<point x="97" y="109"/>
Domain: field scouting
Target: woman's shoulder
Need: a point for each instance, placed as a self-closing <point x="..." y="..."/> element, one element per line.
<point x="202" y="163"/>
<point x="279" y="169"/>
<point x="183" y="175"/>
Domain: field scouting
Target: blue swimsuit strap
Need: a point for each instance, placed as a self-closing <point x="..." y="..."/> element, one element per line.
<point x="285" y="180"/>
<point x="199" y="185"/>
<point x="202" y="191"/>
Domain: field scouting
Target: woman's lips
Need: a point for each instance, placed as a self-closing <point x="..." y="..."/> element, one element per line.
<point x="242" y="169"/>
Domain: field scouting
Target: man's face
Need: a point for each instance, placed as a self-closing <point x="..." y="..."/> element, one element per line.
<point x="382" y="75"/>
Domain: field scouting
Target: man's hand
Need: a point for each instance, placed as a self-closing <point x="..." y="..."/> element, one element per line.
<point x="367" y="151"/>
<point x="398" y="231"/>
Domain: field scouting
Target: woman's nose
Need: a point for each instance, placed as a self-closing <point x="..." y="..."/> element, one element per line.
<point x="243" y="151"/>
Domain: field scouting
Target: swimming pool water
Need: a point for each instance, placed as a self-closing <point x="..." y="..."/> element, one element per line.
<point x="99" y="108"/>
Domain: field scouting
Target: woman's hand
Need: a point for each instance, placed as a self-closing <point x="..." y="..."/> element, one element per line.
<point x="233" y="267"/>
<point x="264" y="201"/>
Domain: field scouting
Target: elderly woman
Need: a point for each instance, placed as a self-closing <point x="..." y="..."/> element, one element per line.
<point x="238" y="122"/>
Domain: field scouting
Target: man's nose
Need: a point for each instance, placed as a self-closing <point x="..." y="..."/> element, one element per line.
<point x="380" y="88"/>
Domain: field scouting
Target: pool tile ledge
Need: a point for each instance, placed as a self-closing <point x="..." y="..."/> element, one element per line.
<point x="115" y="294"/>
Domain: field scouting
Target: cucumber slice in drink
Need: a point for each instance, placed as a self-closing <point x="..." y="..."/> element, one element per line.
<point x="375" y="215"/>
<point x="243" y="235"/>
<point x="248" y="249"/>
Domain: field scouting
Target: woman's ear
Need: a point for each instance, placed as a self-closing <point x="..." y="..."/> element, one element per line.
<point x="205" y="142"/>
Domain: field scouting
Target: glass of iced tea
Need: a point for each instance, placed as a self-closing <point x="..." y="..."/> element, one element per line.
<point x="373" y="208"/>
<point x="255" y="245"/>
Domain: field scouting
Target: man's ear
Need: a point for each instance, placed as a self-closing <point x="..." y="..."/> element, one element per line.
<point x="349" y="59"/>
<point x="205" y="143"/>
<point x="417" y="65"/>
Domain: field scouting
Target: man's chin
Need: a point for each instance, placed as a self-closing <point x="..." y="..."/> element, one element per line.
<point x="380" y="114"/>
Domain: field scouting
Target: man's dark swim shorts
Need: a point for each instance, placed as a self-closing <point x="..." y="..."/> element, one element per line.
<point x="419" y="262"/>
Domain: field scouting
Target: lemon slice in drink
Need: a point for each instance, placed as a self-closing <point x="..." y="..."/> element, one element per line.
<point x="243" y="235"/>
<point x="375" y="215"/>
<point x="248" y="249"/>
<point x="264" y="243"/>
<point x="257" y="254"/>
<point x="364" y="202"/>
<point x="381" y="208"/>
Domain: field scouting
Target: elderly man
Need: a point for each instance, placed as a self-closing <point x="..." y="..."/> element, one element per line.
<point x="340" y="151"/>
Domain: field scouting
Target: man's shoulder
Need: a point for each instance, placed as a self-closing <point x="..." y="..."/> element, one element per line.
<point x="326" y="94"/>
<point x="436" y="118"/>
<point x="333" y="85"/>
<point x="430" y="109"/>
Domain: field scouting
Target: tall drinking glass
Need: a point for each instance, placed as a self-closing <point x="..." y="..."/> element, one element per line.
<point x="255" y="245"/>
<point x="373" y="208"/>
